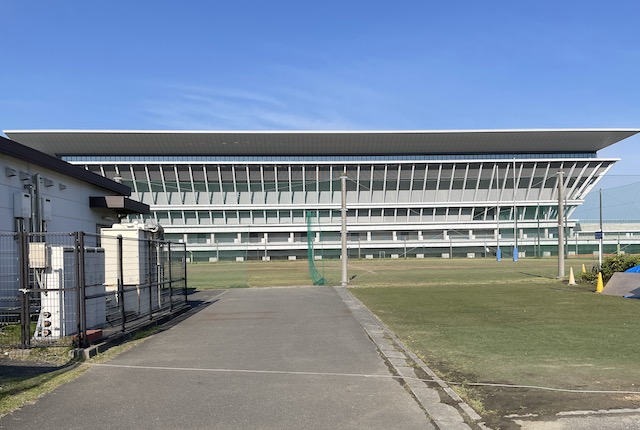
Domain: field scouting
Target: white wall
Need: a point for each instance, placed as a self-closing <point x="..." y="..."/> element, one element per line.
<point x="69" y="197"/>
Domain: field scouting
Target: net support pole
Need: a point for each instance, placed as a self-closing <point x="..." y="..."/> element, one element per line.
<point x="601" y="234"/>
<point x="343" y="187"/>
<point x="560" y="225"/>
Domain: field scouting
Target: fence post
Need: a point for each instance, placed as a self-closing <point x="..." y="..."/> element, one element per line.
<point x="25" y="296"/>
<point x="80" y="288"/>
<point x="184" y="271"/>
<point x="170" y="278"/>
<point x="150" y="276"/>
<point x="120" y="280"/>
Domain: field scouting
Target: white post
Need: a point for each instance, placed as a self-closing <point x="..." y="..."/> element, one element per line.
<point x="601" y="235"/>
<point x="560" y="225"/>
<point x="343" y="184"/>
<point x="498" y="252"/>
<point x="515" y="215"/>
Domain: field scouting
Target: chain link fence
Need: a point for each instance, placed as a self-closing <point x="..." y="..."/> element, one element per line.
<point x="61" y="289"/>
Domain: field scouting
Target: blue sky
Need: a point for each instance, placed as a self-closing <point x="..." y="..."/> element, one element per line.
<point x="323" y="65"/>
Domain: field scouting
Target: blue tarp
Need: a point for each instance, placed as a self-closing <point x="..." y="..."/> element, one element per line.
<point x="633" y="270"/>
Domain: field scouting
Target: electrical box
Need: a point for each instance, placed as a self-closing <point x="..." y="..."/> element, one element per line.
<point x="22" y="205"/>
<point x="38" y="254"/>
<point x="45" y="204"/>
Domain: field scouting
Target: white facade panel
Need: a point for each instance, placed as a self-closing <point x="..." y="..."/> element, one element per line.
<point x="68" y="209"/>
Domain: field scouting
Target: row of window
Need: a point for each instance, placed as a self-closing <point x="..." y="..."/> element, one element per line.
<point x="199" y="183"/>
<point x="359" y="237"/>
<point x="388" y="215"/>
<point x="360" y="174"/>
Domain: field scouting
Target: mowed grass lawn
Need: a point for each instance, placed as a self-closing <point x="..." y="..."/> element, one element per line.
<point x="483" y="321"/>
<point x="375" y="273"/>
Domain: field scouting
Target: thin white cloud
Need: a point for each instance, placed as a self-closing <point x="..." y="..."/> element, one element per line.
<point x="224" y="93"/>
<point x="329" y="96"/>
<point x="190" y="112"/>
<point x="189" y="107"/>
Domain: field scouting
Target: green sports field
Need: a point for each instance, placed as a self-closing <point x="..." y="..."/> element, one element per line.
<point x="377" y="272"/>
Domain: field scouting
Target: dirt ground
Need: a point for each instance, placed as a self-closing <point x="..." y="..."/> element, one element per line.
<point x="502" y="402"/>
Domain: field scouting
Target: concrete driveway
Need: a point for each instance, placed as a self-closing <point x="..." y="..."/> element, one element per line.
<point x="253" y="359"/>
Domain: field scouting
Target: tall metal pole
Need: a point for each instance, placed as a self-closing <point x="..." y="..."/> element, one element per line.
<point x="560" y="224"/>
<point x="515" y="216"/>
<point x="601" y="234"/>
<point x="498" y="251"/>
<point x="343" y="185"/>
<point x="538" y="253"/>
<point x="566" y="234"/>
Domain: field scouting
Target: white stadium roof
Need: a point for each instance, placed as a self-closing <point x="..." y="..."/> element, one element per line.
<point x="313" y="143"/>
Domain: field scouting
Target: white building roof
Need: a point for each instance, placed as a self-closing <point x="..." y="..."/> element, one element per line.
<point x="310" y="143"/>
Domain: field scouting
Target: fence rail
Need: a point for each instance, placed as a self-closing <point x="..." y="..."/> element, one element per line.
<point x="58" y="289"/>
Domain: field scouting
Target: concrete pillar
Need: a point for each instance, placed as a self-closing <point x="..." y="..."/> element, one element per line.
<point x="368" y="236"/>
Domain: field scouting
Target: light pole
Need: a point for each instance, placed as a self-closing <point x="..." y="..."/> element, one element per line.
<point x="600" y="235"/>
<point x="560" y="224"/>
<point x="498" y="251"/>
<point x="538" y="253"/>
<point x="343" y="184"/>
<point x="566" y="236"/>
<point x="515" y="216"/>
<point x="515" y="233"/>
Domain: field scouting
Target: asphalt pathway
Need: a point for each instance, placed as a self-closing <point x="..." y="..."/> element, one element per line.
<point x="252" y="359"/>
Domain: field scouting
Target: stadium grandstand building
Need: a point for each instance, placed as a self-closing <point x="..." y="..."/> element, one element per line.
<point x="270" y="194"/>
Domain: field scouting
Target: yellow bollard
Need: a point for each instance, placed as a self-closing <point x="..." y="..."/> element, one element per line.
<point x="572" y="279"/>
<point x="584" y="269"/>
<point x="600" y="285"/>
